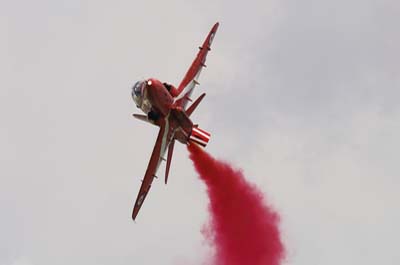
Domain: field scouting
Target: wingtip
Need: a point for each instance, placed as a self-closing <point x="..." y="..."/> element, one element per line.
<point x="134" y="214"/>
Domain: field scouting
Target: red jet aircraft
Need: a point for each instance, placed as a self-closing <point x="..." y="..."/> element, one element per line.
<point x="165" y="107"/>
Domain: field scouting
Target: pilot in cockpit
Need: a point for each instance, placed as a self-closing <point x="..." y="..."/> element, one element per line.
<point x="137" y="93"/>
<point x="139" y="96"/>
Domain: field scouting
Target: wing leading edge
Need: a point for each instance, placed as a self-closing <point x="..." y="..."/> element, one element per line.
<point x="164" y="137"/>
<point x="190" y="80"/>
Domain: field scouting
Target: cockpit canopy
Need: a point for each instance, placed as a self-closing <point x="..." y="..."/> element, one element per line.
<point x="137" y="93"/>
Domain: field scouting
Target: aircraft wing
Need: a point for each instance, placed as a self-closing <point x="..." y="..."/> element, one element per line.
<point x="164" y="138"/>
<point x="190" y="80"/>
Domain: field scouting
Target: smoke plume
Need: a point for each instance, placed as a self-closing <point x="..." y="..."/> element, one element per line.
<point x="242" y="229"/>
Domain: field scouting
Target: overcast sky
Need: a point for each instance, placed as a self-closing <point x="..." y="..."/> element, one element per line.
<point x="302" y="95"/>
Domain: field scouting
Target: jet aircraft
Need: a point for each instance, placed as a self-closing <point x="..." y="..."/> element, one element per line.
<point x="165" y="106"/>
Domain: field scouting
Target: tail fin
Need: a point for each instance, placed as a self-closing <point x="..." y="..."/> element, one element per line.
<point x="199" y="136"/>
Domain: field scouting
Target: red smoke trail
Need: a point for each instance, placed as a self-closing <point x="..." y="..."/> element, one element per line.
<point x="243" y="230"/>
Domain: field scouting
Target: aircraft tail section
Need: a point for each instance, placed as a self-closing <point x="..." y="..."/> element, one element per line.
<point x="189" y="132"/>
<point x="199" y="136"/>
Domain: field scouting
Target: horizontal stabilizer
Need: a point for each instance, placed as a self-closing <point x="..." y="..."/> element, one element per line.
<point x="142" y="118"/>
<point x="192" y="107"/>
